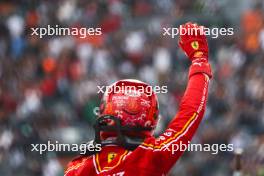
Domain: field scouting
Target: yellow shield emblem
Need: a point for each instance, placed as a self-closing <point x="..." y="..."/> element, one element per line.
<point x="111" y="156"/>
<point x="195" y="45"/>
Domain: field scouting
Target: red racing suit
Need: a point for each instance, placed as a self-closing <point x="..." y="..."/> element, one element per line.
<point x="155" y="156"/>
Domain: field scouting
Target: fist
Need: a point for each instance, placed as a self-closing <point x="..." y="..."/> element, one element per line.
<point x="193" y="41"/>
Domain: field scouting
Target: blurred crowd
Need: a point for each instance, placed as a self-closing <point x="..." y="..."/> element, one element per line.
<point x="48" y="86"/>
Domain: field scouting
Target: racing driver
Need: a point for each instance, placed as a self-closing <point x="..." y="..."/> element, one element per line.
<point x="126" y="121"/>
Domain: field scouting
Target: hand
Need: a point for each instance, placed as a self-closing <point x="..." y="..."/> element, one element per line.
<point x="193" y="42"/>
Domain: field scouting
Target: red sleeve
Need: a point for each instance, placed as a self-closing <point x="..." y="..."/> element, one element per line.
<point x="75" y="165"/>
<point x="185" y="123"/>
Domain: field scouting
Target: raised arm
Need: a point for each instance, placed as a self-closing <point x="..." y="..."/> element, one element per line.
<point x="192" y="107"/>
